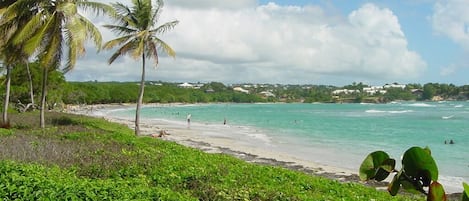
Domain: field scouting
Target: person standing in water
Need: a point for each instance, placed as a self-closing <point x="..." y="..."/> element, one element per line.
<point x="189" y="120"/>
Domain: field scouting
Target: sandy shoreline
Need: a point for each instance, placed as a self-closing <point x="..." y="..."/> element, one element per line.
<point x="208" y="139"/>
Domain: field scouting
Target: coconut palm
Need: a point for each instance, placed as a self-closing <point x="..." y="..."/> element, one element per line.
<point x="136" y="26"/>
<point x="11" y="54"/>
<point x="55" y="26"/>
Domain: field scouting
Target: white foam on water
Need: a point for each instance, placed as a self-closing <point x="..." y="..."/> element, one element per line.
<point x="447" y="117"/>
<point x="375" y="111"/>
<point x="421" y="105"/>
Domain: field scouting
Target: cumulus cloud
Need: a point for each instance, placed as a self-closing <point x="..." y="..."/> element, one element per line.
<point x="244" y="42"/>
<point x="451" y="19"/>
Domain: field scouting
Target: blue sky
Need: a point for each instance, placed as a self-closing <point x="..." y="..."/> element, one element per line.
<point x="303" y="42"/>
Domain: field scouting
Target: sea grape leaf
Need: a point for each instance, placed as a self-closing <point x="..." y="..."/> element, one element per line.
<point x="417" y="162"/>
<point x="395" y="184"/>
<point x="389" y="165"/>
<point x="386" y="167"/>
<point x="371" y="164"/>
<point x="465" y="194"/>
<point x="436" y="192"/>
<point x="409" y="187"/>
<point x="428" y="150"/>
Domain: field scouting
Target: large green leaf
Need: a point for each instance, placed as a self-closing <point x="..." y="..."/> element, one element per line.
<point x="370" y="167"/>
<point x="418" y="163"/>
<point x="386" y="167"/>
<point x="465" y="194"/>
<point x="436" y="192"/>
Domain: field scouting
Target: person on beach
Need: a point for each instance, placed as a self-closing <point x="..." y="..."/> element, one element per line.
<point x="224" y="121"/>
<point x="189" y="120"/>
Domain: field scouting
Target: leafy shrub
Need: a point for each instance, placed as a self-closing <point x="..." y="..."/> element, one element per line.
<point x="419" y="172"/>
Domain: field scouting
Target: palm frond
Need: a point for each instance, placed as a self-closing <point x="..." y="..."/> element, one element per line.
<point x="118" y="41"/>
<point x="92" y="32"/>
<point x="74" y="50"/>
<point x="121" y="9"/>
<point x="125" y="49"/>
<point x="52" y="55"/>
<point x="29" y="29"/>
<point x="119" y="30"/>
<point x="33" y="43"/>
<point x="165" y="47"/>
<point x="152" y="52"/>
<point x="157" y="11"/>
<point x="98" y="8"/>
<point x="140" y="48"/>
<point x="165" y="27"/>
<point x="67" y="8"/>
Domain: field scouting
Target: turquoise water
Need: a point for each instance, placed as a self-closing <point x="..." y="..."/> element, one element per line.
<point x="343" y="134"/>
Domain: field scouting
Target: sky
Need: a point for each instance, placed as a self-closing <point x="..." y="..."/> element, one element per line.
<point x="330" y="42"/>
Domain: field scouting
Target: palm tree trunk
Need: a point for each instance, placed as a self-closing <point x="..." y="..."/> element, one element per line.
<point x="31" y="90"/>
<point x="140" y="98"/>
<point x="7" y="96"/>
<point x="43" y="97"/>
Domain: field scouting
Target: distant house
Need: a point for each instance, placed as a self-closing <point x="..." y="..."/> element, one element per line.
<point x="374" y="90"/>
<point x="417" y="92"/>
<point x="345" y="91"/>
<point x="267" y="94"/>
<point x="186" y="85"/>
<point x="387" y="86"/>
<point x="239" y="89"/>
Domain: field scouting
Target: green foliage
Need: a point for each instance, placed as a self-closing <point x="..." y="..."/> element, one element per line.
<point x="418" y="163"/>
<point x="376" y="165"/>
<point x="20" y="84"/>
<point x="116" y="92"/>
<point x="419" y="170"/>
<point x="393" y="94"/>
<point x="465" y="194"/>
<point x="436" y="192"/>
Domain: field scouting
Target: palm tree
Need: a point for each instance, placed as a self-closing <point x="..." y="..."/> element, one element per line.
<point x="12" y="54"/>
<point x="54" y="26"/>
<point x="136" y="26"/>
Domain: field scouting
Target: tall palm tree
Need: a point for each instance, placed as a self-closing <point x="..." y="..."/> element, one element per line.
<point x="138" y="32"/>
<point x="54" y="26"/>
<point x="11" y="54"/>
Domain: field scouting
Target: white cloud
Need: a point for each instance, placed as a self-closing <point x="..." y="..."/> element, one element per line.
<point x="243" y="42"/>
<point x="451" y="18"/>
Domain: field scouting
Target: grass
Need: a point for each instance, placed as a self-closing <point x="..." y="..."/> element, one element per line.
<point x="83" y="158"/>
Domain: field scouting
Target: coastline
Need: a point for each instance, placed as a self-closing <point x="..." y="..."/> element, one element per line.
<point x="221" y="140"/>
<point x="242" y="142"/>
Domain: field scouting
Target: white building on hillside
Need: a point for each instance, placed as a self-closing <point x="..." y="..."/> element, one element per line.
<point x="186" y="85"/>
<point x="239" y="89"/>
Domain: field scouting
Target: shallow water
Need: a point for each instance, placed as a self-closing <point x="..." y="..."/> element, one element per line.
<point x="341" y="135"/>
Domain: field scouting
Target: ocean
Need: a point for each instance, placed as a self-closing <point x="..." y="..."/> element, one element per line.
<point x="340" y="135"/>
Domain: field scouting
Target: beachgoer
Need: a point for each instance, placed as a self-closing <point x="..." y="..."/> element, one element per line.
<point x="451" y="142"/>
<point x="188" y="119"/>
<point x="224" y="121"/>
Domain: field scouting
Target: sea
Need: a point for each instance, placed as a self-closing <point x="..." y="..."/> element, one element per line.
<point x="339" y="135"/>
